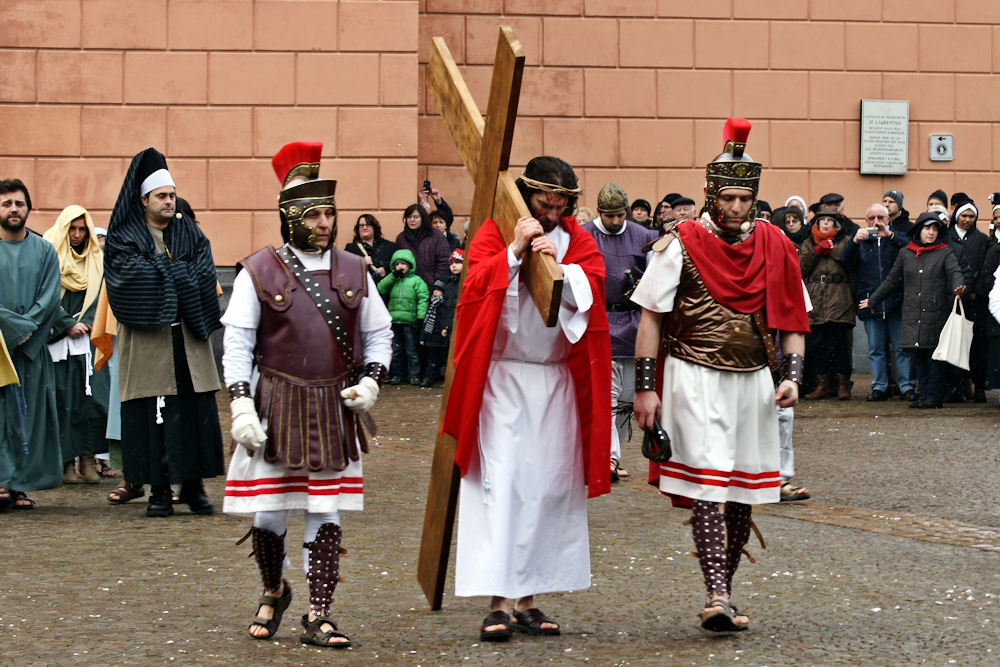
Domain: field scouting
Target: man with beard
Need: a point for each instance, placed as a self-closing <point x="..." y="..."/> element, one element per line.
<point x="528" y="408"/>
<point x="714" y="289"/>
<point x="30" y="459"/>
<point x="622" y="245"/>
<point x="161" y="286"/>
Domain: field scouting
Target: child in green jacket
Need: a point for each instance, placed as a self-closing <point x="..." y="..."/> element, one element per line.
<point x="408" y="305"/>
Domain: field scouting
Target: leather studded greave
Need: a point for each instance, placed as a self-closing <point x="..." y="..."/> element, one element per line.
<point x="269" y="550"/>
<point x="708" y="527"/>
<point x="324" y="567"/>
<point x="737" y="534"/>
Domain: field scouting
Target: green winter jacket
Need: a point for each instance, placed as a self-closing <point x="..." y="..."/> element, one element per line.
<point x="407" y="295"/>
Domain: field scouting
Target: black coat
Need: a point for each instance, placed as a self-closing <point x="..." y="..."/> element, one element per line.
<point x="870" y="262"/>
<point x="928" y="283"/>
<point x="380" y="251"/>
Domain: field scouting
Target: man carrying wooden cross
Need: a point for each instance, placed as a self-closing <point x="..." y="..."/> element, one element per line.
<point x="528" y="409"/>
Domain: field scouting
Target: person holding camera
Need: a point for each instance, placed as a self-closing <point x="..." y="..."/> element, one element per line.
<point x="870" y="256"/>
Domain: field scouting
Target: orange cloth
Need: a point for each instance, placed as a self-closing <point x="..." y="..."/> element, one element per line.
<point x="103" y="332"/>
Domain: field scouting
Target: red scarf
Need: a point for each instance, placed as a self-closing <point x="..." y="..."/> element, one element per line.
<point x="762" y="271"/>
<point x="823" y="236"/>
<point x="917" y="249"/>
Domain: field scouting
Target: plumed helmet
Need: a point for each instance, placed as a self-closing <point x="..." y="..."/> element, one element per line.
<point x="732" y="168"/>
<point x="299" y="158"/>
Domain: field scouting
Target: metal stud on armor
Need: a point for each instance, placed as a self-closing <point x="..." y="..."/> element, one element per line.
<point x="324" y="567"/>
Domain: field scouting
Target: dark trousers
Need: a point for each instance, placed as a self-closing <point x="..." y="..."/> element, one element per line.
<point x="404" y="352"/>
<point x="828" y="348"/>
<point x="929" y="374"/>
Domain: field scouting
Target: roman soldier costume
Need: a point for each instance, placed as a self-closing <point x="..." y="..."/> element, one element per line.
<point x="307" y="346"/>
<point x="721" y="292"/>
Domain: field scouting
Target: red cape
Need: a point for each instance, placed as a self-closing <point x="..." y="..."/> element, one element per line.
<point x="476" y="319"/>
<point x="761" y="271"/>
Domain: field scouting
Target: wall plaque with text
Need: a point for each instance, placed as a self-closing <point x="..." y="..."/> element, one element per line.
<point x="884" y="136"/>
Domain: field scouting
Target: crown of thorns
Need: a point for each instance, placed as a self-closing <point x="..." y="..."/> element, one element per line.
<point x="550" y="187"/>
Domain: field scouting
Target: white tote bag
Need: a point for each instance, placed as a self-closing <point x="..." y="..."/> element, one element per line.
<point x="956" y="338"/>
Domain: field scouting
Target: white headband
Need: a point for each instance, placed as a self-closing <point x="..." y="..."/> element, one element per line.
<point x="967" y="206"/>
<point x="157" y="179"/>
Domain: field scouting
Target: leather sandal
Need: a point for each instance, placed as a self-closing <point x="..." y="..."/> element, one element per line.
<point x="495" y="618"/>
<point x="718" y="616"/>
<point x="317" y="637"/>
<point x="278" y="604"/>
<point x="21" y="500"/>
<point x="530" y="622"/>
<point x="126" y="492"/>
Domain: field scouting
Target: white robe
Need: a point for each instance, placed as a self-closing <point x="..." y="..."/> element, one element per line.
<point x="522" y="522"/>
<point x="253" y="484"/>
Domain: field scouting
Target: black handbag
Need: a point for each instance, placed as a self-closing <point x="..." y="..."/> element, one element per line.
<point x="656" y="443"/>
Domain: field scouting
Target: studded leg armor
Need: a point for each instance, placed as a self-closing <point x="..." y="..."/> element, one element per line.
<point x="708" y="527"/>
<point x="324" y="567"/>
<point x="269" y="550"/>
<point x="737" y="533"/>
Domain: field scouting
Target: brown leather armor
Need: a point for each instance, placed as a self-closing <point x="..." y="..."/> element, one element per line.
<point x="703" y="331"/>
<point x="302" y="371"/>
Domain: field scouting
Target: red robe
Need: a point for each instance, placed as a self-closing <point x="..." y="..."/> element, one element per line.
<point x="476" y="320"/>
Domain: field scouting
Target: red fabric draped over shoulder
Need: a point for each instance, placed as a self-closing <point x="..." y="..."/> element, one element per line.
<point x="476" y="320"/>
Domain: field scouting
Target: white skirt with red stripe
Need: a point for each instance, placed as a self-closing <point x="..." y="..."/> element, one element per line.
<point x="254" y="485"/>
<point x="723" y="429"/>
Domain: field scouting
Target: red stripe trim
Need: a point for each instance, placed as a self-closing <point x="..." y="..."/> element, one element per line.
<point x="720" y="482"/>
<point x="232" y="493"/>
<point x="719" y="473"/>
<point x="264" y="481"/>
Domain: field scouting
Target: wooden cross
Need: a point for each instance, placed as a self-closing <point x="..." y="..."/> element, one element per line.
<point x="485" y="150"/>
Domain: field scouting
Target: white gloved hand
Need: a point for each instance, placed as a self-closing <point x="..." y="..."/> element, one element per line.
<point x="361" y="397"/>
<point x="246" y="424"/>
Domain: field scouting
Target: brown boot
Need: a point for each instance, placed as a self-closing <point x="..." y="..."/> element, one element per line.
<point x="844" y="385"/>
<point x="88" y="469"/>
<point x="70" y="475"/>
<point x="822" y="389"/>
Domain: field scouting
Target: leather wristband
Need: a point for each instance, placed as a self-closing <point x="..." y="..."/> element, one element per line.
<point x="645" y="374"/>
<point x="239" y="390"/>
<point x="377" y="372"/>
<point x="791" y="367"/>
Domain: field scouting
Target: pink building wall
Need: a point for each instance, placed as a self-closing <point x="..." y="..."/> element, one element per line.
<point x="626" y="90"/>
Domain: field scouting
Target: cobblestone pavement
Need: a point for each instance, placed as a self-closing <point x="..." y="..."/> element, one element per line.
<point x="893" y="562"/>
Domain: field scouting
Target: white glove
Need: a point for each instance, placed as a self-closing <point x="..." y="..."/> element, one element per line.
<point x="361" y="397"/>
<point x="246" y="424"/>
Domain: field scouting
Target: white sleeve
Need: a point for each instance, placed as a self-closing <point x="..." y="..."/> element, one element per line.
<point x="244" y="308"/>
<point x="577" y="298"/>
<point x="511" y="309"/>
<point x="657" y="289"/>
<point x="994" y="300"/>
<point x="237" y="353"/>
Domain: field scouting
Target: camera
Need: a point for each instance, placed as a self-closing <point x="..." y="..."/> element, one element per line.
<point x="427" y="185"/>
<point x="872" y="231"/>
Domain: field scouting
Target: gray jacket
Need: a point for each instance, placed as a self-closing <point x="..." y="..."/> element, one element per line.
<point x="928" y="283"/>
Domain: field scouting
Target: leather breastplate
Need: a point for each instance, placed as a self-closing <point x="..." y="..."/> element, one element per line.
<point x="301" y="368"/>
<point x="703" y="331"/>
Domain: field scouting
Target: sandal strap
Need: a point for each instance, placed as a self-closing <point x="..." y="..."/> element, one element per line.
<point x="533" y="618"/>
<point x="497" y="618"/>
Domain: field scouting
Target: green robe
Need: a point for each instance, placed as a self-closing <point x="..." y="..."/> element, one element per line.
<point x="30" y="457"/>
<point x="83" y="419"/>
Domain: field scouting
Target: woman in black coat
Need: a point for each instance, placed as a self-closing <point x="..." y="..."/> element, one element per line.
<point x="368" y="243"/>
<point x="929" y="275"/>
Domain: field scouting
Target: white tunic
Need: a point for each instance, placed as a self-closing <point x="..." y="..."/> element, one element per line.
<point x="253" y="484"/>
<point x="522" y="523"/>
<point x="723" y="425"/>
